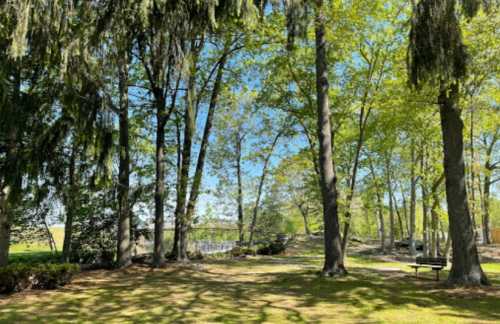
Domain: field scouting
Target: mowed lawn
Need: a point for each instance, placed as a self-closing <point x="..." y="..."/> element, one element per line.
<point x="258" y="289"/>
<point x="34" y="247"/>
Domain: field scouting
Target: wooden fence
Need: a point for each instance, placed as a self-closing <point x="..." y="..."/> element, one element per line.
<point x="495" y="235"/>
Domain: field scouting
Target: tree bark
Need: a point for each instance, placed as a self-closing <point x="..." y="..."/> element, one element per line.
<point x="70" y="205"/>
<point x="124" y="252"/>
<point x="11" y="179"/>
<point x="489" y="167"/>
<point x="240" y="191"/>
<point x="472" y="173"/>
<point x="466" y="268"/>
<point x="413" y="201"/>
<point x="261" y="187"/>
<point x="195" y="187"/>
<point x="177" y="221"/>
<point x="5" y="224"/>
<point x="304" y="212"/>
<point x="189" y="124"/>
<point x="158" y="250"/>
<point x="400" y="219"/>
<point x="425" y="207"/>
<point x="391" y="206"/>
<point x="380" y="208"/>
<point x="334" y="263"/>
<point x="486" y="210"/>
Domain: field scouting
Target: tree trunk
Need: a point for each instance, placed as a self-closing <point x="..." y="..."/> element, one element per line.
<point x="425" y="224"/>
<point x="400" y="219"/>
<point x="434" y="225"/>
<point x="380" y="208"/>
<point x="486" y="210"/>
<point x="70" y="205"/>
<point x="466" y="268"/>
<point x="12" y="178"/>
<point x="240" y="191"/>
<point x="4" y="226"/>
<point x="124" y="253"/>
<point x="158" y="250"/>
<point x="381" y="222"/>
<point x="391" y="207"/>
<point x="304" y="212"/>
<point x="405" y="212"/>
<point x="195" y="187"/>
<point x="189" y="124"/>
<point x="334" y="263"/>
<point x="177" y="221"/>
<point x="487" y="187"/>
<point x="261" y="187"/>
<point x="472" y="174"/>
<point x="413" y="201"/>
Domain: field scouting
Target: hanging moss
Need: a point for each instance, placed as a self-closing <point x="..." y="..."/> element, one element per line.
<point x="436" y="50"/>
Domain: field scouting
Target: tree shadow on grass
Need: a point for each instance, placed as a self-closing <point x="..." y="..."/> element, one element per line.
<point x="209" y="294"/>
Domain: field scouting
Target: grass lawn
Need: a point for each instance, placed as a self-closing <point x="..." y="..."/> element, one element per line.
<point x="35" y="247"/>
<point x="261" y="289"/>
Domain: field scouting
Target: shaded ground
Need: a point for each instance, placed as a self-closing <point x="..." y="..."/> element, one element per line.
<point x="261" y="289"/>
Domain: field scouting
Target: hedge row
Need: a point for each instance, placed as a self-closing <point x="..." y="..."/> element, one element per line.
<point x="17" y="277"/>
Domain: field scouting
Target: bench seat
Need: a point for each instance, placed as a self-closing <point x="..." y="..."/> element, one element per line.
<point x="435" y="264"/>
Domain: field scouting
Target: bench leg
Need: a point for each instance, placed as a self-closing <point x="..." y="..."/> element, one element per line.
<point x="416" y="273"/>
<point x="437" y="275"/>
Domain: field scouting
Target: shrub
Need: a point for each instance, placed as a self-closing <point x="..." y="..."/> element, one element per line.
<point x="15" y="277"/>
<point x="273" y="248"/>
<point x="243" y="251"/>
<point x="52" y="276"/>
<point x="35" y="258"/>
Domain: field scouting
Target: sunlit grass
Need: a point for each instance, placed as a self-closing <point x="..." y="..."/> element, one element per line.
<point x="258" y="289"/>
<point x="43" y="246"/>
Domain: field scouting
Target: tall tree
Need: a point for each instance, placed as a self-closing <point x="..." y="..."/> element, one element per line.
<point x="437" y="52"/>
<point x="334" y="262"/>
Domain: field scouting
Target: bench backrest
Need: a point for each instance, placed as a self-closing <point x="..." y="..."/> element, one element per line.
<point x="432" y="261"/>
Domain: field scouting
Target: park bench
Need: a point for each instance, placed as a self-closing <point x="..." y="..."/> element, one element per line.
<point x="436" y="264"/>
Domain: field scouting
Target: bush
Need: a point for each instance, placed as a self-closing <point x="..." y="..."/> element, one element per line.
<point x="17" y="277"/>
<point x="35" y="258"/>
<point x="94" y="259"/>
<point x="243" y="251"/>
<point x="52" y="276"/>
<point x="273" y="248"/>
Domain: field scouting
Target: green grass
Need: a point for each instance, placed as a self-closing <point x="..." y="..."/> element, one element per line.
<point x="261" y="289"/>
<point x="34" y="247"/>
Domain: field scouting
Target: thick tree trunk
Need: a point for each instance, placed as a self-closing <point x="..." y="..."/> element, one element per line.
<point x="466" y="268"/>
<point x="124" y="252"/>
<point x="11" y="179"/>
<point x="4" y="226"/>
<point x="334" y="263"/>
<point x="189" y="124"/>
<point x="241" y="231"/>
<point x="70" y="203"/>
